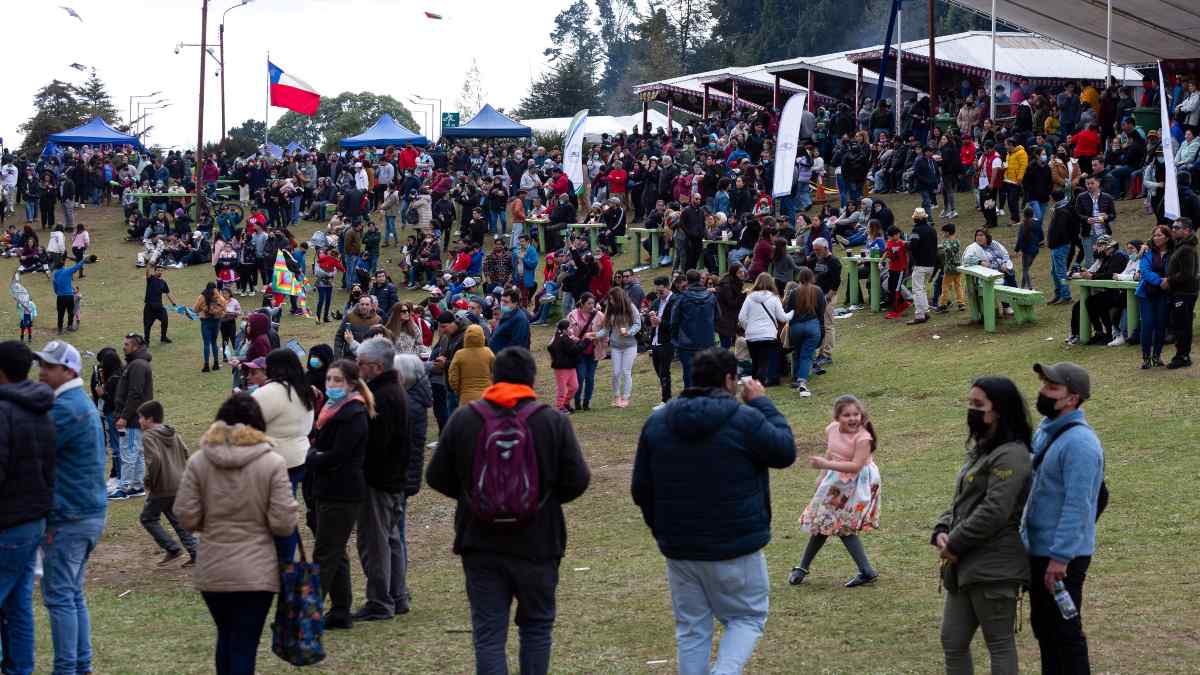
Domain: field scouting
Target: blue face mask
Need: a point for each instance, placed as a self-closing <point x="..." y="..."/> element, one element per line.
<point x="505" y="311"/>
<point x="251" y="389"/>
<point x="334" y="394"/>
<point x="314" y="362"/>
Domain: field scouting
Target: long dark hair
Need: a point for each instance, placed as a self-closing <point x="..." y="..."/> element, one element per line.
<point x="209" y="294"/>
<point x="1008" y="406"/>
<point x="110" y="363"/>
<point x="241" y="408"/>
<point x="283" y="366"/>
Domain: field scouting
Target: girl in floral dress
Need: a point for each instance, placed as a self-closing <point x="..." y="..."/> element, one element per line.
<point x="847" y="498"/>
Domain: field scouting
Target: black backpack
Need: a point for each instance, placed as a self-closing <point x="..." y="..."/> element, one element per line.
<point x="1102" y="498"/>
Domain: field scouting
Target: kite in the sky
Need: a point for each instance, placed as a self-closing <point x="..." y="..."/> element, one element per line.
<point x="72" y="12"/>
<point x="431" y="15"/>
<point x="78" y="66"/>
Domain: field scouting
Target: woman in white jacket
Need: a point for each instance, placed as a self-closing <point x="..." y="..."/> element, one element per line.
<point x="760" y="318"/>
<point x="288" y="403"/>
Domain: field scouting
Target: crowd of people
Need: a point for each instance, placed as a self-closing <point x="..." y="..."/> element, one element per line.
<point x="345" y="423"/>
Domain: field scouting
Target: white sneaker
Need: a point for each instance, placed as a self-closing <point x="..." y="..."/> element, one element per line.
<point x="660" y="406"/>
<point x="802" y="390"/>
<point x="1117" y="341"/>
<point x="112" y="484"/>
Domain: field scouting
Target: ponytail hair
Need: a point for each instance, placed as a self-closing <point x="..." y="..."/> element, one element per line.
<point x="349" y="370"/>
<point x="846" y="400"/>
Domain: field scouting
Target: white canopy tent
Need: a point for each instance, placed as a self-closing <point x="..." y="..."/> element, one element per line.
<point x="1143" y="31"/>
<point x="600" y="124"/>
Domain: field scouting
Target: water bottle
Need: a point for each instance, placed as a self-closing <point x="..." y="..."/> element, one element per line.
<point x="1065" y="604"/>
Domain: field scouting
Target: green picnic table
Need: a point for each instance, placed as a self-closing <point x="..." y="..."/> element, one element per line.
<point x="1131" y="303"/>
<point x="539" y="224"/>
<point x="650" y="233"/>
<point x="141" y="196"/>
<point x="593" y="230"/>
<point x="852" y="272"/>
<point x="723" y="246"/>
<point x="980" y="284"/>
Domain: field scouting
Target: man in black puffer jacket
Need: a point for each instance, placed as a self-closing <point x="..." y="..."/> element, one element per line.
<point x="700" y="479"/>
<point x="385" y="470"/>
<point x="26" y="493"/>
<point x="922" y="247"/>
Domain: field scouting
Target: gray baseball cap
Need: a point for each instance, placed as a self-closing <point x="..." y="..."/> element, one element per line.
<point x="59" y="353"/>
<point x="1072" y="375"/>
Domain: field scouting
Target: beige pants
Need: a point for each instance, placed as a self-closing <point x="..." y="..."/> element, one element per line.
<point x="826" y="349"/>
<point x="952" y="282"/>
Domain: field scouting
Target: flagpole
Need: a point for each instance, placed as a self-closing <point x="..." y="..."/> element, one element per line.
<point x="267" y="107"/>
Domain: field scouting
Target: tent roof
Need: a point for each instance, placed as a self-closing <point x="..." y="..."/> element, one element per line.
<point x="488" y="123"/>
<point x="94" y="131"/>
<point x="1143" y="31"/>
<point x="1018" y="55"/>
<point x="834" y="65"/>
<point x="385" y="131"/>
<point x="600" y="124"/>
<point x="686" y="91"/>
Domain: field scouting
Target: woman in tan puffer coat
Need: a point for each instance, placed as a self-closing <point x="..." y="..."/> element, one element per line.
<point x="471" y="370"/>
<point x="235" y="494"/>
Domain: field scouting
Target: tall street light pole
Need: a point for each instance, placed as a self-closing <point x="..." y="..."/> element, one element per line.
<point x="221" y="37"/>
<point x="139" y="96"/>
<point x="147" y="104"/>
<point x="429" y="117"/>
<point x="437" y="113"/>
<point x="200" y="117"/>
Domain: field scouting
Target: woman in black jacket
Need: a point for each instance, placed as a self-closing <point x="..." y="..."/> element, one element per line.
<point x="336" y="463"/>
<point x="951" y="166"/>
<point x="731" y="293"/>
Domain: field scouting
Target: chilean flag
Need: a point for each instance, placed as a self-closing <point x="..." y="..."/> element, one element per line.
<point x="292" y="92"/>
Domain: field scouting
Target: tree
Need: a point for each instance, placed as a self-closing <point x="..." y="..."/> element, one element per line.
<point x="94" y="100"/>
<point x="242" y="141"/>
<point x="560" y="92"/>
<point x="690" y="23"/>
<point x="56" y="108"/>
<point x="347" y="114"/>
<point x="473" y="96"/>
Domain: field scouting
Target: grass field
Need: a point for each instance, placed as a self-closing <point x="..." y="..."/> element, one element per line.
<point x="614" y="607"/>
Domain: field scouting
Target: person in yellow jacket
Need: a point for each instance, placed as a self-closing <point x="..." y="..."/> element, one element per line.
<point x="1014" y="172"/>
<point x="471" y="370"/>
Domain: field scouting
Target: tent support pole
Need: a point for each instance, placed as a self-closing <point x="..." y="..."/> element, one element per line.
<point x="670" y="114"/>
<point x="735" y="98"/>
<point x="933" y="97"/>
<point x="704" y="104"/>
<point x="645" y="117"/>
<point x="899" y="59"/>
<point x="858" y="85"/>
<point x="775" y="94"/>
<point x="812" y="78"/>
<point x="1108" y="43"/>
<point x="992" y="78"/>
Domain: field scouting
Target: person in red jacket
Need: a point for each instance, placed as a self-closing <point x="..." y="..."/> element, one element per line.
<point x="617" y="178"/>
<point x="408" y="158"/>
<point x="1087" y="145"/>
<point x="602" y="282"/>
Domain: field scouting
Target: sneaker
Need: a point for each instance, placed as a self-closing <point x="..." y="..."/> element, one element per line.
<point x="1099" y="339"/>
<point x="817" y="369"/>
<point x="796" y="576"/>
<point x="336" y="622"/>
<point x="118" y="495"/>
<point x="1117" y="341"/>
<point x="916" y="320"/>
<point x="892" y="315"/>
<point x="165" y="340"/>
<point x="365" y="614"/>
<point x="802" y="390"/>
<point x="660" y="406"/>
<point x="1177" y="363"/>
<point x="664" y="261"/>
<point x="565" y="410"/>
<point x="191" y="562"/>
<point x="204" y="369"/>
<point x="1072" y="340"/>
<point x="112" y="484"/>
<point x="823" y="361"/>
<point x="1147" y="364"/>
<point x="139" y="492"/>
<point x="861" y="579"/>
<point x="169" y="557"/>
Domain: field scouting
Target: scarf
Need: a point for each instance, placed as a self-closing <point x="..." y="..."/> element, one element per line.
<point x="507" y="394"/>
<point x="329" y="410"/>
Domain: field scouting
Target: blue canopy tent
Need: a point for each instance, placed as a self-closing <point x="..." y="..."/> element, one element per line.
<point x="385" y="132"/>
<point x="489" y="124"/>
<point x="294" y="146"/>
<point x="95" y="132"/>
<point x="51" y="150"/>
<point x="272" y="150"/>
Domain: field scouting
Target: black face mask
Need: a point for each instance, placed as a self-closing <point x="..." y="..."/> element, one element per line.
<point x="975" y="423"/>
<point x="1045" y="405"/>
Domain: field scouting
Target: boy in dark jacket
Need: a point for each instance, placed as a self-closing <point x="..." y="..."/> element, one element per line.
<point x="501" y="562"/>
<point x="166" y="458"/>
<point x="564" y="359"/>
<point x="1064" y="230"/>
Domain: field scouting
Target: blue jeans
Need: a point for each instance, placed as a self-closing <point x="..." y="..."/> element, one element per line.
<point x="856" y="190"/>
<point x="1088" y="241"/>
<point x="803" y="196"/>
<point x="351" y="263"/>
<point x="843" y="190"/>
<point x="68" y="545"/>
<point x="1155" y="310"/>
<point x="113" y="437"/>
<point x="31" y="211"/>
<point x="210" y="332"/>
<point x="286" y="546"/>
<point x="493" y="580"/>
<point x="18" y="547"/>
<point x="805" y="337"/>
<point x="389" y="230"/>
<point x="1038" y="209"/>
<point x="586" y="370"/>
<point x="1058" y="271"/>
<point x="133" y="460"/>
<point x="685" y="360"/>
<point x="736" y="593"/>
<point x="497" y="221"/>
<point x="787" y="208"/>
<point x="927" y="202"/>
<point x="324" y="301"/>
<point x="295" y="210"/>
<point x="726" y="341"/>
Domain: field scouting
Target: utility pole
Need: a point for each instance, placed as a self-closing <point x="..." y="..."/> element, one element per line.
<point x="933" y="97"/>
<point x="200" y="118"/>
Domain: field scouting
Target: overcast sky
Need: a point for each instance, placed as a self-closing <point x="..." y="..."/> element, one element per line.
<point x="385" y="46"/>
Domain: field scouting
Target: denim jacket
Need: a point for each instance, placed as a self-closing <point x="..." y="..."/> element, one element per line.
<point x="79" y="465"/>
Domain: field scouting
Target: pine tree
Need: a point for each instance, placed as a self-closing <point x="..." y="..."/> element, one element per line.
<point x="56" y="108"/>
<point x="473" y="96"/>
<point x="94" y="100"/>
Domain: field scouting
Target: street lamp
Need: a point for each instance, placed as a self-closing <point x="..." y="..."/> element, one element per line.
<point x="427" y="114"/>
<point x="221" y="37"/>
<point x="145" y="128"/>
<point x="147" y="103"/>
<point x="437" y="113"/>
<point x="140" y="96"/>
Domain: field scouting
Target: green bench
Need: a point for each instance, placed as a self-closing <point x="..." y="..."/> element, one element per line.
<point x="1022" y="301"/>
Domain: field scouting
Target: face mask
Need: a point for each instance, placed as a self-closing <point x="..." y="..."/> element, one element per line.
<point x="334" y="394"/>
<point x="251" y="389"/>
<point x="975" y="423"/>
<point x="314" y="362"/>
<point x="505" y="311"/>
<point x="1045" y="405"/>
